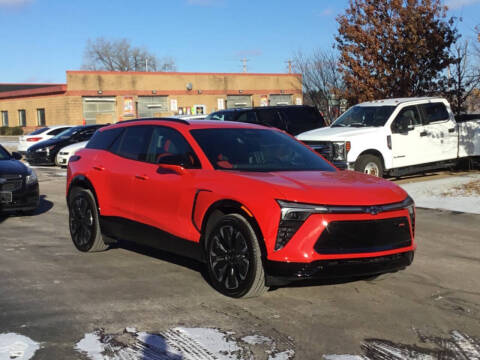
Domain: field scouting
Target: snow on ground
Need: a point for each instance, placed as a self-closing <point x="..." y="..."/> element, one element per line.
<point x="180" y="344"/>
<point x="455" y="193"/>
<point x="15" y="346"/>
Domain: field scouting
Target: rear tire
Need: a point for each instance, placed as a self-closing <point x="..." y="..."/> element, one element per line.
<point x="234" y="259"/>
<point x="84" y="222"/>
<point x="369" y="164"/>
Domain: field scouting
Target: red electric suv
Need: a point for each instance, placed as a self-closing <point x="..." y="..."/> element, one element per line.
<point x="255" y="205"/>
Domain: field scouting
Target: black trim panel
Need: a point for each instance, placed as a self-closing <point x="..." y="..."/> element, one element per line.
<point x="125" y="229"/>
<point x="194" y="206"/>
<point x="282" y="272"/>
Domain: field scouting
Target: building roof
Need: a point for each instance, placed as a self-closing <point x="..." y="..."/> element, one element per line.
<point x="22" y="90"/>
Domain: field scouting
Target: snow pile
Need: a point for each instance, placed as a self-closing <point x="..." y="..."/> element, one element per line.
<point x="15" y="346"/>
<point x="456" y="193"/>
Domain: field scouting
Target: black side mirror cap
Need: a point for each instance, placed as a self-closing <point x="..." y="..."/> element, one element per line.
<point x="16" y="155"/>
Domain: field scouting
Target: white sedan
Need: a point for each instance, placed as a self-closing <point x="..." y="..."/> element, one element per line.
<point x="44" y="133"/>
<point x="65" y="153"/>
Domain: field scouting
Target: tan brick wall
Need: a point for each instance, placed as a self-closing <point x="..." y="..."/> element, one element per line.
<point x="207" y="89"/>
<point x="59" y="110"/>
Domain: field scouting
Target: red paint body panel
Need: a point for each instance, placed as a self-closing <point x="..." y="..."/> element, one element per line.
<point x="178" y="203"/>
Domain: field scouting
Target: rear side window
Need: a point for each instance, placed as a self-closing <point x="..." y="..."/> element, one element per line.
<point x="39" y="131"/>
<point x="102" y="140"/>
<point x="434" y="112"/>
<point x="133" y="143"/>
<point x="302" y="119"/>
<point x="248" y="117"/>
<point x="216" y="116"/>
<point x="270" y="117"/>
<point x="57" y="131"/>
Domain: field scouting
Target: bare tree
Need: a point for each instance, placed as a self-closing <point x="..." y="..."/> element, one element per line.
<point x="321" y="78"/>
<point x="464" y="78"/>
<point x="121" y="55"/>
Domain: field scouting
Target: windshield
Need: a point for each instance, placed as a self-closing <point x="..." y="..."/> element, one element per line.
<point x="66" y="133"/>
<point x="39" y="131"/>
<point x="4" y="155"/>
<point x="257" y="150"/>
<point x="364" y="116"/>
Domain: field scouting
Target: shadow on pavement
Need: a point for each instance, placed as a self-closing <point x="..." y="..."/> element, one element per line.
<point x="43" y="207"/>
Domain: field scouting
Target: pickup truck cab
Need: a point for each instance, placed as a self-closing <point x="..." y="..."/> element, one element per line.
<point x="396" y="137"/>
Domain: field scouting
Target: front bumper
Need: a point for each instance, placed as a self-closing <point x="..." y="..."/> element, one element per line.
<point x="25" y="199"/>
<point x="282" y="273"/>
<point x="40" y="158"/>
<point x="62" y="160"/>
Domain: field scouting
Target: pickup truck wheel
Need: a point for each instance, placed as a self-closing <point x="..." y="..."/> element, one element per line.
<point x="369" y="164"/>
<point x="234" y="258"/>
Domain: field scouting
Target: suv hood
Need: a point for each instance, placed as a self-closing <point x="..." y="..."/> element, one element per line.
<point x="337" y="133"/>
<point x="330" y="188"/>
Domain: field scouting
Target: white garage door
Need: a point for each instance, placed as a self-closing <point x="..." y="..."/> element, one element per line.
<point x="239" y="101"/>
<point x="99" y="110"/>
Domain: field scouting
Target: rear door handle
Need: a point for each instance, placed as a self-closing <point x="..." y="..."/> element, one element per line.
<point x="451" y="130"/>
<point x="141" y="177"/>
<point x="99" y="168"/>
<point x="423" y="133"/>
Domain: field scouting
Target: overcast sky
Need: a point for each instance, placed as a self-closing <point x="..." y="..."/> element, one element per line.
<point x="41" y="39"/>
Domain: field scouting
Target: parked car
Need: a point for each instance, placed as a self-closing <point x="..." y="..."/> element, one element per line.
<point x="397" y="137"/>
<point x="18" y="184"/>
<point x="293" y="119"/>
<point x="45" y="152"/>
<point x="41" y="134"/>
<point x="257" y="206"/>
<point x="67" y="152"/>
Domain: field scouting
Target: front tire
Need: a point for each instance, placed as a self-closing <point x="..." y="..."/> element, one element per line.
<point x="84" y="222"/>
<point x="234" y="258"/>
<point x="369" y="164"/>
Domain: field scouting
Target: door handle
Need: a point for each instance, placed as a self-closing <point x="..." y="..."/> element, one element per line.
<point x="99" y="168"/>
<point x="451" y="130"/>
<point x="141" y="177"/>
<point x="423" y="133"/>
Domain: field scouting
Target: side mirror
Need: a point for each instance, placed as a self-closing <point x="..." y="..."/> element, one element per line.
<point x="16" y="155"/>
<point x="169" y="169"/>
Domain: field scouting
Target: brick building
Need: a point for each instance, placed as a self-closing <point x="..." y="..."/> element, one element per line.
<point x="100" y="97"/>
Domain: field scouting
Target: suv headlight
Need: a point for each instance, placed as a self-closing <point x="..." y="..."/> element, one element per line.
<point x="293" y="215"/>
<point x="31" y="177"/>
<point x="340" y="150"/>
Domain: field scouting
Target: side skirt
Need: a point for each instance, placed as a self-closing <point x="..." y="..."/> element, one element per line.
<point x="124" y="229"/>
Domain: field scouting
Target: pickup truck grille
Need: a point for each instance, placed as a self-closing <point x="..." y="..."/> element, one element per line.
<point x="324" y="148"/>
<point x="364" y="236"/>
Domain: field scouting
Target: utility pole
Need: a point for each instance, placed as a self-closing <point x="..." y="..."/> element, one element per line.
<point x="146" y="64"/>
<point x="289" y="62"/>
<point x="244" y="62"/>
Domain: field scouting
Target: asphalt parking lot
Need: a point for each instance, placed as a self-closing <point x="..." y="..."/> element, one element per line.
<point x="54" y="295"/>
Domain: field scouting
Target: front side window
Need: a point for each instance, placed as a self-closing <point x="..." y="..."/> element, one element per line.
<point x="270" y="117"/>
<point x="4" y="118"/>
<point x="41" y="121"/>
<point x="364" y="116"/>
<point x="102" y="140"/>
<point x="407" y="117"/>
<point x="168" y="146"/>
<point x="22" y="118"/>
<point x="434" y="112"/>
<point x="248" y="117"/>
<point x="258" y="150"/>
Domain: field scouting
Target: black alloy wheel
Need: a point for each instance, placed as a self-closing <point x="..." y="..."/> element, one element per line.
<point x="83" y="219"/>
<point x="234" y="258"/>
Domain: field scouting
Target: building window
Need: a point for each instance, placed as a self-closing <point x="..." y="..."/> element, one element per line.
<point x="22" y="118"/>
<point x="41" y="117"/>
<point x="4" y="118"/>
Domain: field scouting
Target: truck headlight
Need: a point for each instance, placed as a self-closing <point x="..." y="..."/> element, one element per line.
<point x="340" y="150"/>
<point x="293" y="215"/>
<point x="31" y="177"/>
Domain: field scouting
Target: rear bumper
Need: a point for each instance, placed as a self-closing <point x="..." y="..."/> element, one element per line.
<point x="282" y="272"/>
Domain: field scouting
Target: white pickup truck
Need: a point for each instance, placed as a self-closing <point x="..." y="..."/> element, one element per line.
<point x="397" y="137"/>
